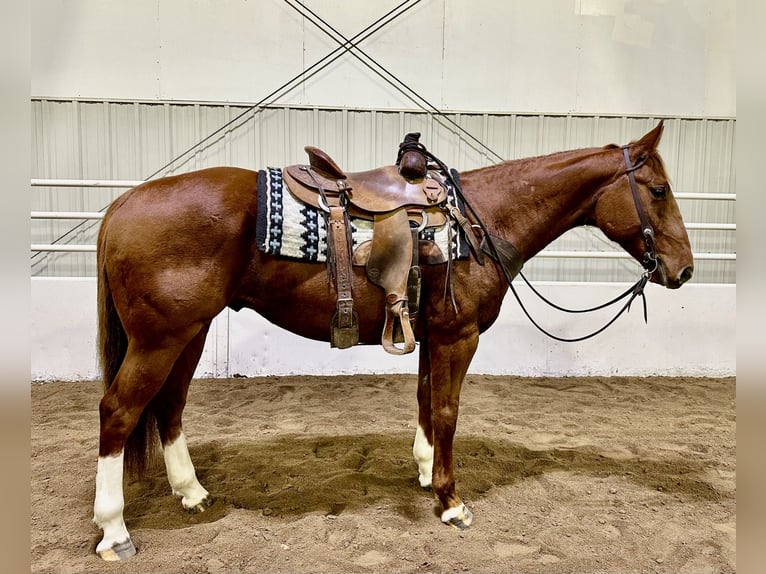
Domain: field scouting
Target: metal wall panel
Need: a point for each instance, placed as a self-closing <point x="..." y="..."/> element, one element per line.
<point x="132" y="140"/>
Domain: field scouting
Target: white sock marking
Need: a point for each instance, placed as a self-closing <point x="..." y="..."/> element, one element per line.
<point x="424" y="456"/>
<point x="109" y="502"/>
<point x="181" y="474"/>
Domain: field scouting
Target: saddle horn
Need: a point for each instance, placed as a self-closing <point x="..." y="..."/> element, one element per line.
<point x="411" y="160"/>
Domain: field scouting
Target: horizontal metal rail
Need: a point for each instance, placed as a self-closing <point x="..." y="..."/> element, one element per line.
<point x="85" y="182"/>
<point x="63" y="248"/>
<point x="712" y="226"/>
<point x="717" y="196"/>
<point x="67" y="215"/>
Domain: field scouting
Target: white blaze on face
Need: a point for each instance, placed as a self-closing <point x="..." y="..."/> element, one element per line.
<point x="107" y="508"/>
<point x="424" y="456"/>
<point x="181" y="474"/>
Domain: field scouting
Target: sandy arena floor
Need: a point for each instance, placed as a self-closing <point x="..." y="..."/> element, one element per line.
<point x="315" y="474"/>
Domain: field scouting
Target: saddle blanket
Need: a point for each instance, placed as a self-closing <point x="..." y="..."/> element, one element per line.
<point x="290" y="228"/>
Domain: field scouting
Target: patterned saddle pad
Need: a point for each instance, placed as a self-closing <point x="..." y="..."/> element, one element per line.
<point x="288" y="227"/>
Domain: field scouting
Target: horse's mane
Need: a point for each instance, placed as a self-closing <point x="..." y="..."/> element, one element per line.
<point x="552" y="158"/>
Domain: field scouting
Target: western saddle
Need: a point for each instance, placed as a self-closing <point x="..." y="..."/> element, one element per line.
<point x="401" y="200"/>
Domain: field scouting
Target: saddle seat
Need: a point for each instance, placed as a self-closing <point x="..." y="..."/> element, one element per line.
<point x="378" y="190"/>
<point x="392" y="203"/>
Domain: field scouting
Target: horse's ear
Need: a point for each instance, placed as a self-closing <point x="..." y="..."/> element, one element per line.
<point x="650" y="140"/>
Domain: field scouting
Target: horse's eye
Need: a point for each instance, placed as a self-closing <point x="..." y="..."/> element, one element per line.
<point x="658" y="191"/>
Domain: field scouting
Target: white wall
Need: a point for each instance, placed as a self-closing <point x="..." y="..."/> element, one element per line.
<point x="664" y="57"/>
<point x="691" y="332"/>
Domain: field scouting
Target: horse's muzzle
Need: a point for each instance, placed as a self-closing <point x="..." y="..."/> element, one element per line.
<point x="685" y="274"/>
<point x="665" y="277"/>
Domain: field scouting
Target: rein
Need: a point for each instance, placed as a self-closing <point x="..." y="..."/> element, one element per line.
<point x="650" y="262"/>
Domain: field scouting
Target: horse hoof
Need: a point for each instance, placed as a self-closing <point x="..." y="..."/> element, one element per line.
<point x="121" y="551"/>
<point x="459" y="517"/>
<point x="201" y="506"/>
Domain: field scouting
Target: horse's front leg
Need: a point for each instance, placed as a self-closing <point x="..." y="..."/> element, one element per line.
<point x="423" y="447"/>
<point x="448" y="364"/>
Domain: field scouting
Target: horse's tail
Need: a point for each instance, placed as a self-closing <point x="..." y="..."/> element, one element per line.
<point x="112" y="347"/>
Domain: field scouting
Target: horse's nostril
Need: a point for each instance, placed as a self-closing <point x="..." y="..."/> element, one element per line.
<point x="686" y="274"/>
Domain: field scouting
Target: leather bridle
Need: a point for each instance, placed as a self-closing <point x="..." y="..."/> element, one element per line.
<point x="651" y="261"/>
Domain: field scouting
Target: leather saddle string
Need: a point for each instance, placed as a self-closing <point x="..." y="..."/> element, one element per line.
<point x="449" y="284"/>
<point x="331" y="274"/>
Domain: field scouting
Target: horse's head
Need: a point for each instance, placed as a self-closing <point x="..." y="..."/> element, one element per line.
<point x="660" y="243"/>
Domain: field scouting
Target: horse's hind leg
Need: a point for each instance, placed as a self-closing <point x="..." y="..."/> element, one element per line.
<point x="168" y="407"/>
<point x="142" y="374"/>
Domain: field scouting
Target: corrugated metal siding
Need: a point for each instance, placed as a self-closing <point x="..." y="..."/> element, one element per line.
<point x="132" y="140"/>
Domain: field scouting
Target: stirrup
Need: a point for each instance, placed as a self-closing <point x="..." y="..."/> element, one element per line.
<point x="398" y="314"/>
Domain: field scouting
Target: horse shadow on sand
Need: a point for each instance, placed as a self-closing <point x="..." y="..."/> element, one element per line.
<point x="297" y="475"/>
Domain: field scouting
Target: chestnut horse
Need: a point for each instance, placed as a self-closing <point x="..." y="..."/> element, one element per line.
<point x="174" y="252"/>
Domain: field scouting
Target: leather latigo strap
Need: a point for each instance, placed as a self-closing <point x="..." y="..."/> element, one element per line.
<point x="414" y="277"/>
<point x="345" y="323"/>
